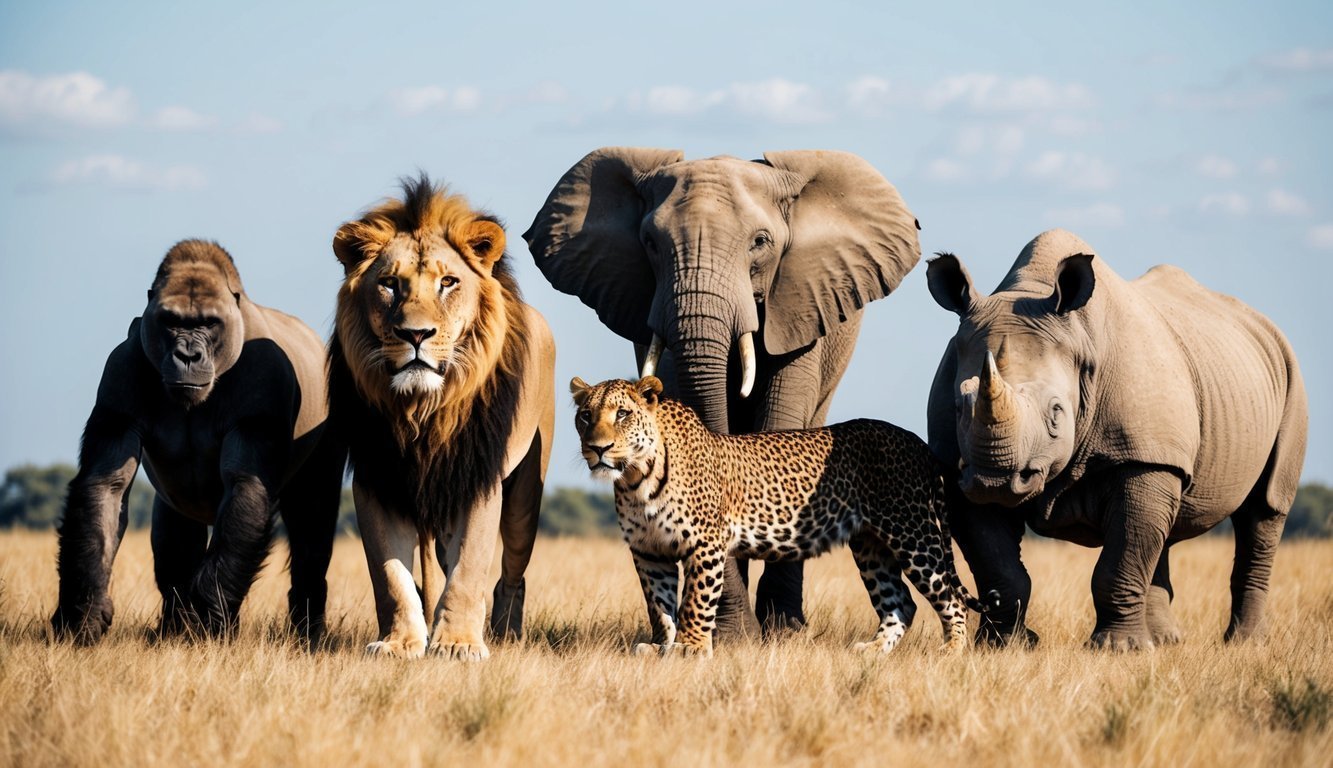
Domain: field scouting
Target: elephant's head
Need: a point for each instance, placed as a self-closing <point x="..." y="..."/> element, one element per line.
<point x="684" y="254"/>
<point x="1022" y="361"/>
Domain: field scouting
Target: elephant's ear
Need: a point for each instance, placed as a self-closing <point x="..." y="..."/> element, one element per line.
<point x="585" y="239"/>
<point x="852" y="241"/>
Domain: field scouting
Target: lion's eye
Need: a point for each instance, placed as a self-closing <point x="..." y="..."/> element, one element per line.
<point x="622" y="414"/>
<point x="389" y="284"/>
<point x="447" y="282"/>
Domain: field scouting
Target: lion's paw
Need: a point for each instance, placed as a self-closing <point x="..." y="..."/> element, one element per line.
<point x="461" y="651"/>
<point x="398" y="649"/>
<point x="873" y="647"/>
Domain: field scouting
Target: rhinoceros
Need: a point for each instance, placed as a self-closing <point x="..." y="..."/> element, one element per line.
<point x="1128" y="415"/>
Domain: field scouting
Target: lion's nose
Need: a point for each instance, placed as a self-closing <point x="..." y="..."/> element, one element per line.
<point x="600" y="449"/>
<point x="414" y="336"/>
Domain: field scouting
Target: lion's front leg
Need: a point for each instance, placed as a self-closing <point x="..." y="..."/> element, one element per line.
<point x="390" y="541"/>
<point x="460" y="618"/>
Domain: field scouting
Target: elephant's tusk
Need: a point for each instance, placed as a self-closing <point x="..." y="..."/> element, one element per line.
<point x="747" y="363"/>
<point x="650" y="360"/>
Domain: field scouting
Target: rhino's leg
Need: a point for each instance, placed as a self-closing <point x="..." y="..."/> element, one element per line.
<point x="1258" y="528"/>
<point x="1136" y="519"/>
<point x="1162" y="623"/>
<point x="990" y="538"/>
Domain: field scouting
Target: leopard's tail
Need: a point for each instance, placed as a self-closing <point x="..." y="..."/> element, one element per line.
<point x="940" y="508"/>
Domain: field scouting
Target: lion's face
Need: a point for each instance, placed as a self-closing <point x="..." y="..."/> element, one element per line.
<point x="419" y="298"/>
<point x="192" y="330"/>
<point x="617" y="425"/>
<point x="417" y="304"/>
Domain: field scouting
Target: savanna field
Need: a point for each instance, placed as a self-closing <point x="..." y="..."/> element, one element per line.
<point x="571" y="694"/>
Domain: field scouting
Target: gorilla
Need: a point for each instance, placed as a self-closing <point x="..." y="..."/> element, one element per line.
<point x="225" y="403"/>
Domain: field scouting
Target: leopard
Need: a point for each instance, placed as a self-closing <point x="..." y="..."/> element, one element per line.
<point x="687" y="498"/>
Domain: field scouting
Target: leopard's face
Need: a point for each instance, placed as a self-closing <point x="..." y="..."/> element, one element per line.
<point x="617" y="425"/>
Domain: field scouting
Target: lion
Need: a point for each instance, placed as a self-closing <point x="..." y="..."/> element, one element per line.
<point x="442" y="382"/>
<point x="223" y="401"/>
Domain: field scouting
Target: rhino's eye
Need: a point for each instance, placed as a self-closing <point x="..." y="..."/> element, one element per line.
<point x="622" y="414"/>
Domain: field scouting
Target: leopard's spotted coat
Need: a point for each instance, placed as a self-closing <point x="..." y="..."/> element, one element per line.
<point x="685" y="494"/>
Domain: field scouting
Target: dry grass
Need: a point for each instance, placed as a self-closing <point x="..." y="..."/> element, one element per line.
<point x="571" y="694"/>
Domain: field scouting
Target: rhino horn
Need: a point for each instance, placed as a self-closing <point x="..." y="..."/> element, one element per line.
<point x="995" y="398"/>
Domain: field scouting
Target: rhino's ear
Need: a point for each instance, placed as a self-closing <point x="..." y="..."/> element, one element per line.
<point x="950" y="283"/>
<point x="1074" y="282"/>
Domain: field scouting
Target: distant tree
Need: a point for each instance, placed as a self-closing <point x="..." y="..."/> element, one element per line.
<point x="33" y="497"/>
<point x="575" y="512"/>
<point x="1311" y="513"/>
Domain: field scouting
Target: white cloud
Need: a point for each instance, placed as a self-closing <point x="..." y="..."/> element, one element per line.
<point x="1284" y="203"/>
<point x="869" y="93"/>
<point x="1072" y="171"/>
<point x="1225" y="203"/>
<point x="1221" y="100"/>
<point x="181" y="119"/>
<point x="255" y="124"/>
<point x="1298" y="60"/>
<point x="982" y="92"/>
<point x="1269" y="166"/>
<point x="776" y="100"/>
<point x="77" y="98"/>
<point x="466" y="99"/>
<point x="1096" y="215"/>
<point x="411" y="102"/>
<point x="1215" y="167"/>
<point x="945" y="170"/>
<point x="119" y="172"/>
<point x="548" y="92"/>
<point x="779" y="100"/>
<point x="999" y="140"/>
<point x="675" y="100"/>
<point x="1320" y="237"/>
<point x="1073" y="126"/>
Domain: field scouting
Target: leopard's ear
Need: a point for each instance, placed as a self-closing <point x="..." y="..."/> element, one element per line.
<point x="579" y="389"/>
<point x="649" y="388"/>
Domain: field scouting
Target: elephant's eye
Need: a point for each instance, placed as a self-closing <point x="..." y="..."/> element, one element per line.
<point x="622" y="414"/>
<point x="761" y="240"/>
<point x="650" y="243"/>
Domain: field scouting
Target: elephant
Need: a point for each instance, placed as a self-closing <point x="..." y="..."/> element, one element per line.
<point x="1126" y="415"/>
<point x="741" y="284"/>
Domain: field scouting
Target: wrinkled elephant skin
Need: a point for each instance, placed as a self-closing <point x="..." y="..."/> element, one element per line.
<point x="1125" y="415"/>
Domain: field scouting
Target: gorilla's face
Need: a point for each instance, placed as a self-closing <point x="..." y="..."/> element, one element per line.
<point x="192" y="331"/>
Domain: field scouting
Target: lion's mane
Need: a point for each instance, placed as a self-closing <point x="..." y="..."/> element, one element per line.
<point x="432" y="455"/>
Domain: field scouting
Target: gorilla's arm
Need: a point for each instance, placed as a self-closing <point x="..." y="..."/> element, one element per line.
<point x="253" y="459"/>
<point x="95" y="512"/>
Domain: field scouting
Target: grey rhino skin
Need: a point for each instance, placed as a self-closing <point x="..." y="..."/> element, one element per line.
<point x="1125" y="415"/>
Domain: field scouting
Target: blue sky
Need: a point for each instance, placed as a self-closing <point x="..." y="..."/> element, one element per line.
<point x="1194" y="134"/>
